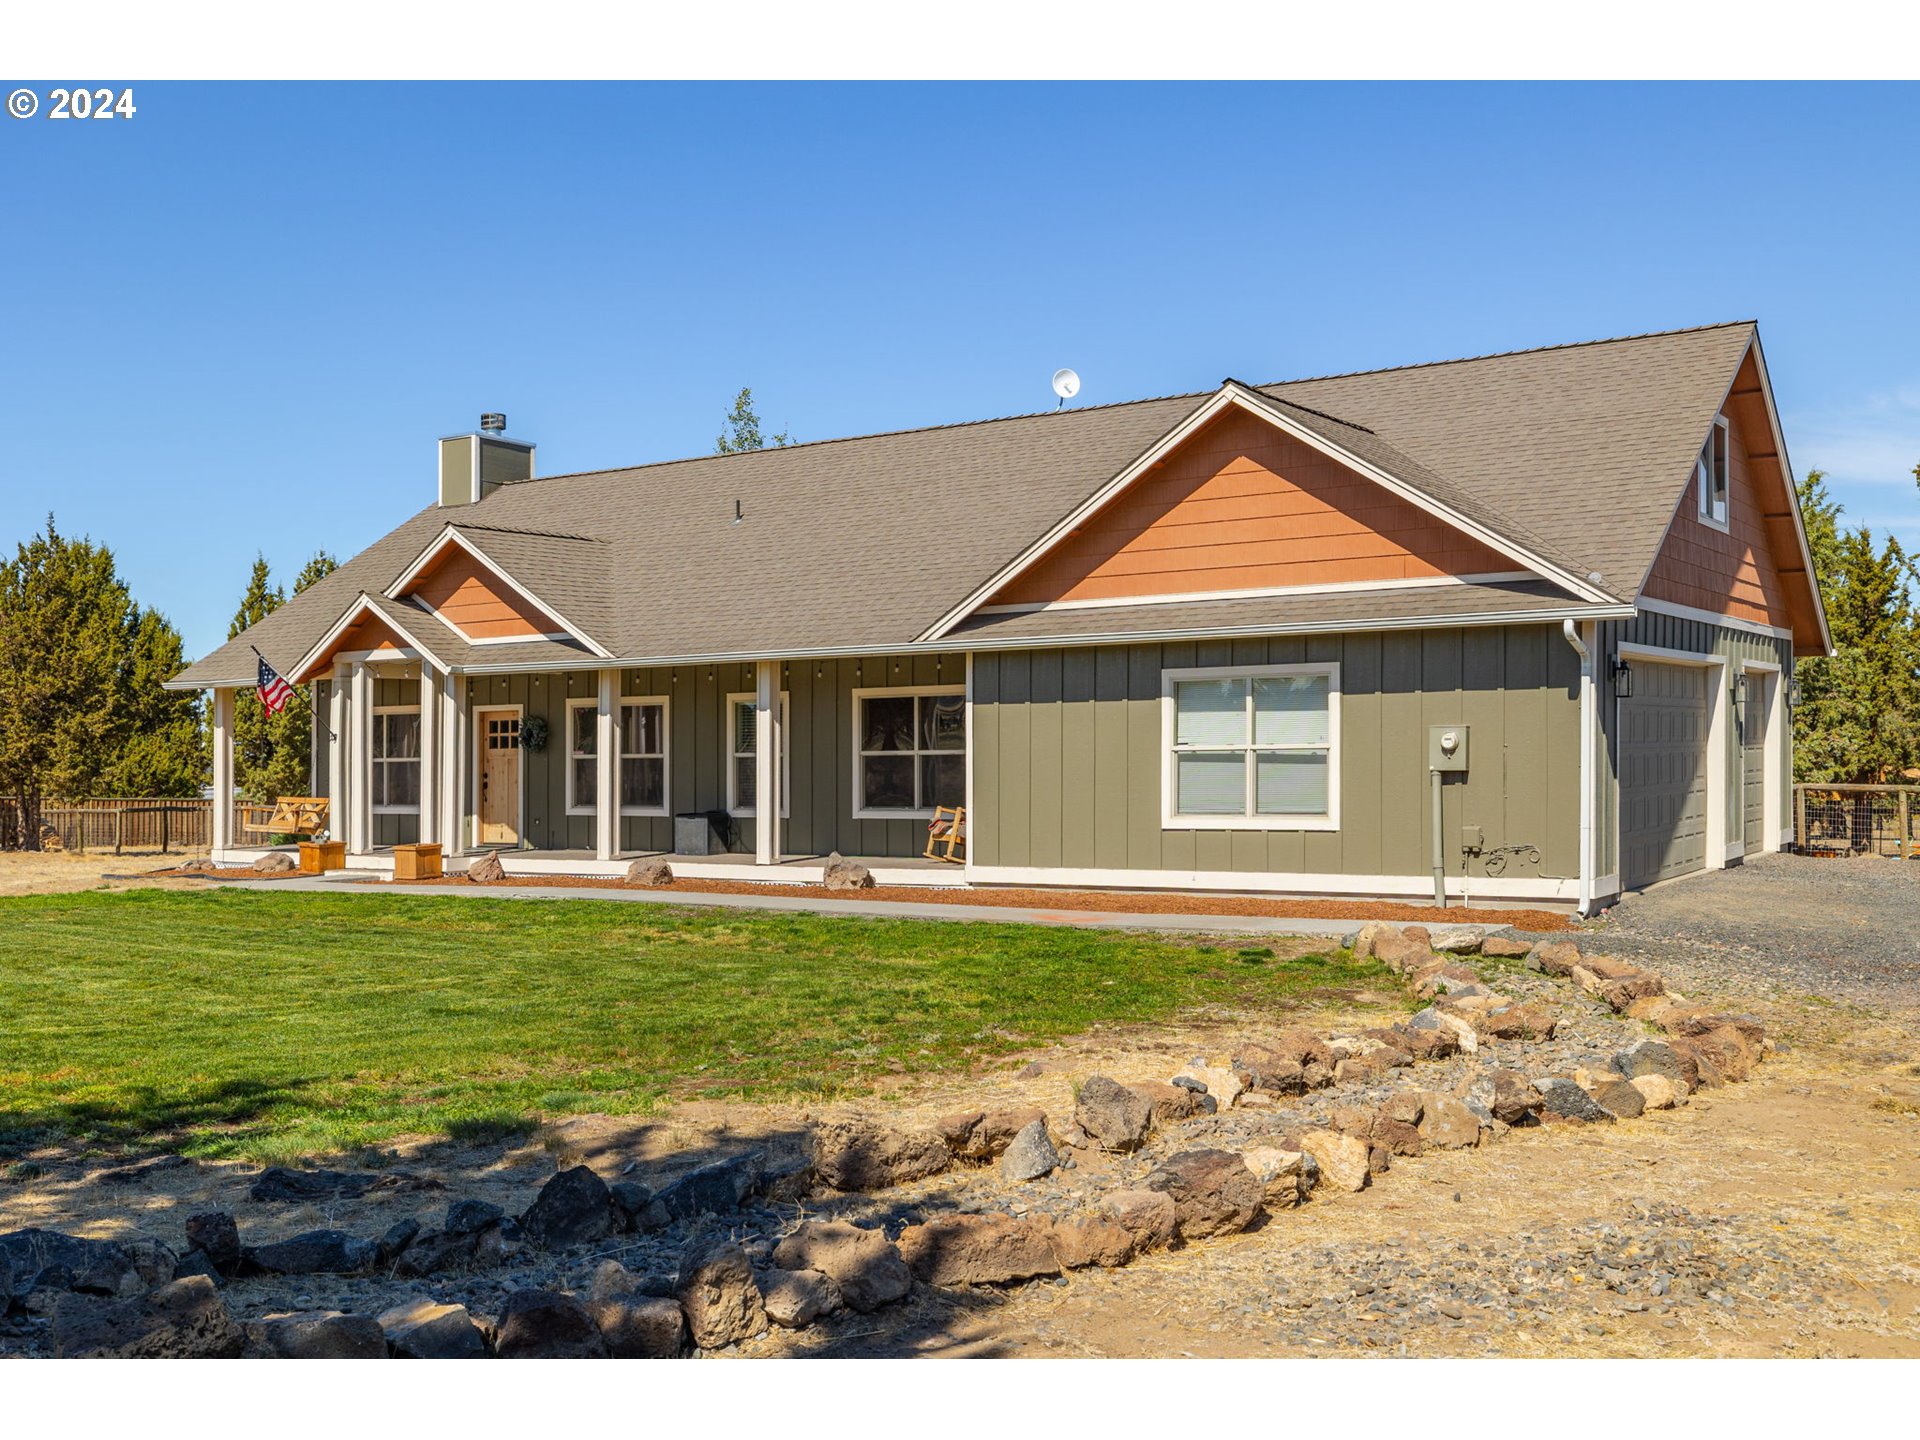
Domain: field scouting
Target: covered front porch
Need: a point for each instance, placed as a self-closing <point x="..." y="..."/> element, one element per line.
<point x="582" y="771"/>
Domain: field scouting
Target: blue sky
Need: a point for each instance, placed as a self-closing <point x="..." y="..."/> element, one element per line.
<point x="238" y="321"/>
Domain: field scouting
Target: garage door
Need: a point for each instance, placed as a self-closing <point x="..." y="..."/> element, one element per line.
<point x="1663" y="773"/>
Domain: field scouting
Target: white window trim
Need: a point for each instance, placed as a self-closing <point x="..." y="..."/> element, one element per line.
<point x="1703" y="478"/>
<point x="373" y="760"/>
<point x="751" y="698"/>
<point x="880" y="692"/>
<point x="590" y="809"/>
<point x="665" y="807"/>
<point x="574" y="807"/>
<point x="1170" y="816"/>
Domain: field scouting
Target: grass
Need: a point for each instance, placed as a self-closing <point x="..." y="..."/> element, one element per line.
<point x="275" y="1025"/>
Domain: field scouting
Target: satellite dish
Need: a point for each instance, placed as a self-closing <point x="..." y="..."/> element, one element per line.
<point x="1066" y="384"/>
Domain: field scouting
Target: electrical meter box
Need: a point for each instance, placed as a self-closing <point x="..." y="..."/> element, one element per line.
<point x="1446" y="747"/>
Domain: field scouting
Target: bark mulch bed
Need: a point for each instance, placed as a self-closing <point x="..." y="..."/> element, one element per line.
<point x="1135" y="902"/>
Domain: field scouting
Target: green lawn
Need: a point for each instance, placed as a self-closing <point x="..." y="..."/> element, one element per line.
<point x="222" y="1023"/>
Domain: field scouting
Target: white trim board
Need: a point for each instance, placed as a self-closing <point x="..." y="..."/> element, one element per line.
<point x="1427" y="582"/>
<point x="1263" y="882"/>
<point x="1233" y="393"/>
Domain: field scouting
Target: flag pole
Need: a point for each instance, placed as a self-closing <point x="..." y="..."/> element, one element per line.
<point x="315" y="714"/>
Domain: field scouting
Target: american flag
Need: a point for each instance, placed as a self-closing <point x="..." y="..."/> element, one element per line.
<point x="274" y="691"/>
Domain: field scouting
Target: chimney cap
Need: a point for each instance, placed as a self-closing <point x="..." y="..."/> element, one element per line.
<point x="494" y="422"/>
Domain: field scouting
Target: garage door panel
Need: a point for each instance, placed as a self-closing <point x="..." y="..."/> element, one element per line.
<point x="1663" y="773"/>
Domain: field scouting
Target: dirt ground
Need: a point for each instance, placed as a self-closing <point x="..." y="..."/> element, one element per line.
<point x="55" y="872"/>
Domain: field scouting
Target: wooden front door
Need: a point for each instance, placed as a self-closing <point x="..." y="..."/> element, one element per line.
<point x="499" y="777"/>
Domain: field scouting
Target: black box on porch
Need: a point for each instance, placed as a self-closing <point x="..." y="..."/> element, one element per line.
<point x="703" y="832"/>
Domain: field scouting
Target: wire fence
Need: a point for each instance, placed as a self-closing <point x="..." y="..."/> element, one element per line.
<point x="1857" y="820"/>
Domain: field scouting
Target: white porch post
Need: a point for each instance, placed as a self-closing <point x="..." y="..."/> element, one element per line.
<point x="453" y="747"/>
<point x="766" y="763"/>
<point x="606" y="750"/>
<point x="337" y="753"/>
<point x="429" y="754"/>
<point x="222" y="771"/>
<point x="360" y="758"/>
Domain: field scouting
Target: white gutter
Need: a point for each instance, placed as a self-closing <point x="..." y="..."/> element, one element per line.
<point x="1587" y="716"/>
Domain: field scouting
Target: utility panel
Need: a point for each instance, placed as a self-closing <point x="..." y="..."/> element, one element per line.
<point x="1446" y="747"/>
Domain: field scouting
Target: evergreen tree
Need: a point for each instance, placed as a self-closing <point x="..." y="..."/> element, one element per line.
<point x="743" y="428"/>
<point x="315" y="570"/>
<point x="66" y="628"/>
<point x="165" y="753"/>
<point x="1859" y="715"/>
<point x="273" y="754"/>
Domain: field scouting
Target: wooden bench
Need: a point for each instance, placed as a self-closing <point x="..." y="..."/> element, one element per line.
<point x="946" y="833"/>
<point x="288" y="815"/>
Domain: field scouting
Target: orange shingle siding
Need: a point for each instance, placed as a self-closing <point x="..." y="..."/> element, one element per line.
<point x="1242" y="505"/>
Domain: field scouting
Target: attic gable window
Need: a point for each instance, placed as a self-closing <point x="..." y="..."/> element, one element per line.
<point x="1710" y="474"/>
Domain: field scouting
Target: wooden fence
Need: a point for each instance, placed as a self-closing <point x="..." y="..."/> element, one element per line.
<point x="1857" y="820"/>
<point x="163" y="823"/>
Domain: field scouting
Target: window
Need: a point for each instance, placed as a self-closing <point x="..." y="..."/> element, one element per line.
<point x="910" y="751"/>
<point x="1252" y="748"/>
<point x="643" y="757"/>
<point x="742" y="755"/>
<point x="396" y="760"/>
<point x="583" y="764"/>
<point x="1710" y="474"/>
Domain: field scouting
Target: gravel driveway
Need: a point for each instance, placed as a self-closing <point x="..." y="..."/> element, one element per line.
<point x="1842" y="929"/>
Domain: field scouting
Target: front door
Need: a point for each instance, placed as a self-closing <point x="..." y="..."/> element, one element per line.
<point x="499" y="776"/>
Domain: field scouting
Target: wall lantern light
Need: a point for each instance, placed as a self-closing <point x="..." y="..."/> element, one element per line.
<point x="1622" y="679"/>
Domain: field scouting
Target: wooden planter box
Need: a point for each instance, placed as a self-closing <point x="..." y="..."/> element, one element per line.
<point x="319" y="856"/>
<point x="416" y="862"/>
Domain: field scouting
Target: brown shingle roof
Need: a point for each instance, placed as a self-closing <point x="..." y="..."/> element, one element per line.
<point x="1580" y="453"/>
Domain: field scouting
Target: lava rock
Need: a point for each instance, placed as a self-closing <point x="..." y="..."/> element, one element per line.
<point x="573" y="1208"/>
<point x="716" y="1188"/>
<point x="316" y="1335"/>
<point x="794" y="1299"/>
<point x="1031" y="1155"/>
<point x="1214" y="1193"/>
<point x="49" y="1260"/>
<point x="640" y="1327"/>
<point x="182" y="1320"/>
<point x="863" y="1264"/>
<point x="840" y="873"/>
<point x="423" y="1330"/>
<point x="1113" y="1114"/>
<point x="315" y="1252"/>
<point x="1562" y="1100"/>
<point x="862" y="1155"/>
<point x="980" y="1249"/>
<point x="720" y="1296"/>
<point x="546" y="1325"/>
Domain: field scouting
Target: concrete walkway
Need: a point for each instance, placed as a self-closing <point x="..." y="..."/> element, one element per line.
<point x="349" y="883"/>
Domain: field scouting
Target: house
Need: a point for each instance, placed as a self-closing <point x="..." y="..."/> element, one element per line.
<point x="1522" y="626"/>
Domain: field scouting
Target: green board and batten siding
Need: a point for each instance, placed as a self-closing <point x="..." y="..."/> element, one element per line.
<point x="1067" y="755"/>
<point x="820" y="748"/>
